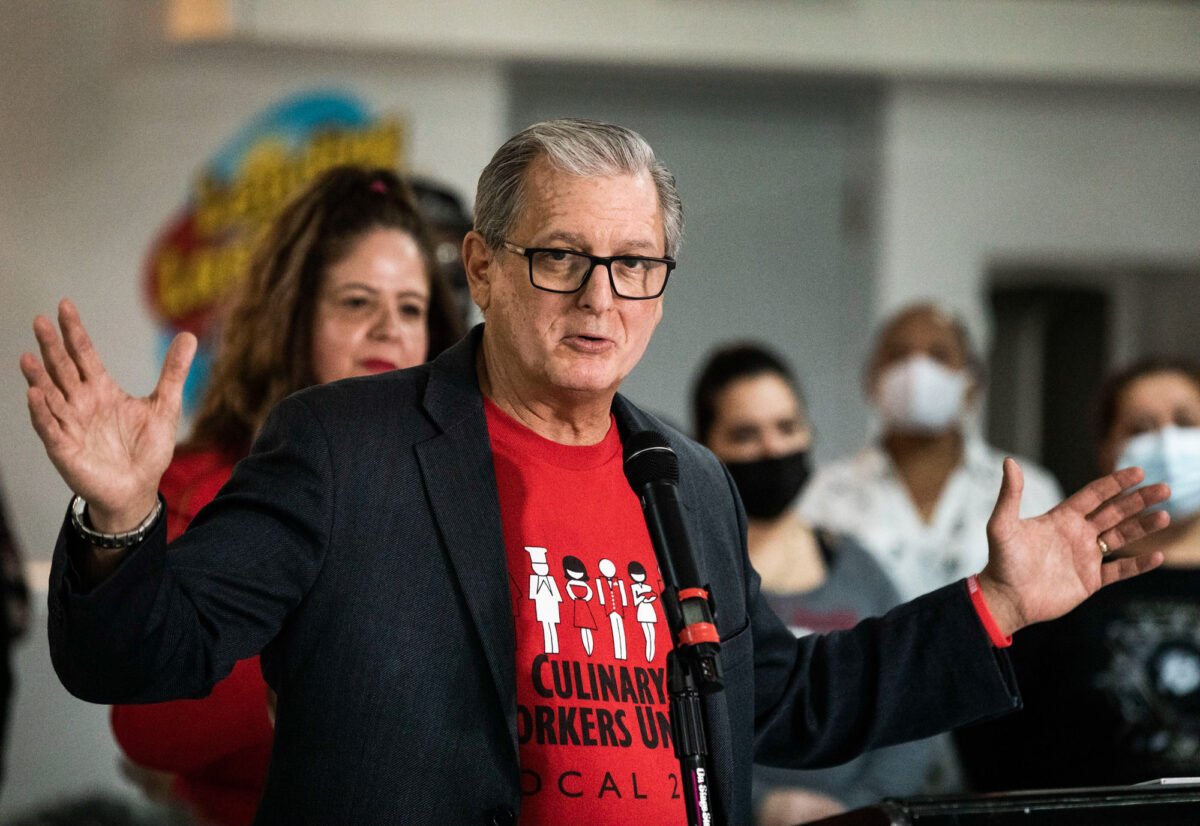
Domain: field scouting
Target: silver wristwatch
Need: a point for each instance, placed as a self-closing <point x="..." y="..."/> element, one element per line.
<point x="112" y="541"/>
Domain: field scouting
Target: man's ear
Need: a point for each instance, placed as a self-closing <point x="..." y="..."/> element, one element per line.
<point x="477" y="259"/>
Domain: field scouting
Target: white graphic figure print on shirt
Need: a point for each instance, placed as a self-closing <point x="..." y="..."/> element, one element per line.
<point x="544" y="593"/>
<point x="643" y="600"/>
<point x="580" y="592"/>
<point x="608" y="587"/>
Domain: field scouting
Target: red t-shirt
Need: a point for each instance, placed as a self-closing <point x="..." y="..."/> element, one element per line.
<point x="592" y="640"/>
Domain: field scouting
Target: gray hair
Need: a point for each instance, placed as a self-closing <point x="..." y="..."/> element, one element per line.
<point x="578" y="147"/>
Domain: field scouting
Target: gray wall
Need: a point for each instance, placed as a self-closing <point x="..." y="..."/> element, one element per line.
<point x="773" y="175"/>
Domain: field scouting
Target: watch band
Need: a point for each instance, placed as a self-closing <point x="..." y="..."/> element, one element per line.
<point x="112" y="541"/>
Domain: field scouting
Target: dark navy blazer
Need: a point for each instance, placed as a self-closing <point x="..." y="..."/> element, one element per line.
<point x="359" y="548"/>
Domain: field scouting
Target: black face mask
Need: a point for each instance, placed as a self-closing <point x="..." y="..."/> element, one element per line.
<point x="767" y="486"/>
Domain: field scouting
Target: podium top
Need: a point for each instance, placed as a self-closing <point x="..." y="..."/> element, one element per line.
<point x="1163" y="802"/>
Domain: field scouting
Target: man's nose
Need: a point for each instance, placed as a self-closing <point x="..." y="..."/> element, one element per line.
<point x="596" y="292"/>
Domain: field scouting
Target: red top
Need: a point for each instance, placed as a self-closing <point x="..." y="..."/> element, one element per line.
<point x="218" y="747"/>
<point x="592" y="708"/>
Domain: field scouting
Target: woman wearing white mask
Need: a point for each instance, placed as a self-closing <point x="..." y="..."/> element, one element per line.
<point x="919" y="497"/>
<point x="1112" y="690"/>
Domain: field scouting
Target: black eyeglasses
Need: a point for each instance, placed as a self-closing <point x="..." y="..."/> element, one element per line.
<point x="637" y="277"/>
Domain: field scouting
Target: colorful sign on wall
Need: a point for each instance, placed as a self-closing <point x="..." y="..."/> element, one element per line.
<point x="204" y="249"/>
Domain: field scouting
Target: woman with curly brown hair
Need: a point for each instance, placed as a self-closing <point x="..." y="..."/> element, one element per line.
<point x="344" y="283"/>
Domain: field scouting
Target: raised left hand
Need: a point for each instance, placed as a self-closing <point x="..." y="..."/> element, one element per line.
<point x="1041" y="568"/>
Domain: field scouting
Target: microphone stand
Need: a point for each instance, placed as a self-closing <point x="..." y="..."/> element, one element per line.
<point x="693" y="665"/>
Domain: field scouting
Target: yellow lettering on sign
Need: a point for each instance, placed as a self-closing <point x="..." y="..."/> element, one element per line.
<point x="197" y="281"/>
<point x="271" y="174"/>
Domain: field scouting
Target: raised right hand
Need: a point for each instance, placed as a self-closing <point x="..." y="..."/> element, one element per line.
<point x="109" y="447"/>
<point x="1040" y="568"/>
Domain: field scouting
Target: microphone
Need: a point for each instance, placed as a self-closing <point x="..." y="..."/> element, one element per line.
<point x="652" y="469"/>
<point x="694" y="664"/>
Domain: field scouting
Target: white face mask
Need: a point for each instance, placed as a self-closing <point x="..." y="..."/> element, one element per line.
<point x="1170" y="455"/>
<point x="919" y="395"/>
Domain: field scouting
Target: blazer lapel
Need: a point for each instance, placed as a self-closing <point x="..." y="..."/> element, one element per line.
<point x="460" y="480"/>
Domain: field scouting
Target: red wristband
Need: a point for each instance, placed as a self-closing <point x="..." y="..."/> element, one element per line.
<point x="985" y="616"/>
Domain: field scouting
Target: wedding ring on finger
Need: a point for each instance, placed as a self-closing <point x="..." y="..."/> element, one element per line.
<point x="1104" y="549"/>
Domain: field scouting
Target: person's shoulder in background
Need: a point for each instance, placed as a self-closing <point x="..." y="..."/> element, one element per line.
<point x="840" y="492"/>
<point x="849" y="561"/>
<point x="14" y="590"/>
<point x="1042" y="490"/>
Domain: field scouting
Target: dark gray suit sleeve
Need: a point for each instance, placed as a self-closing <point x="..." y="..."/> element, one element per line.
<point x="172" y="620"/>
<point x="925" y="667"/>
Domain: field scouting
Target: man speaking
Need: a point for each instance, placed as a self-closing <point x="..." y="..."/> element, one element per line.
<point x="449" y="578"/>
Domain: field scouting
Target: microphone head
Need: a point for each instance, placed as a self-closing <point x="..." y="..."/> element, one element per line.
<point x="648" y="459"/>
